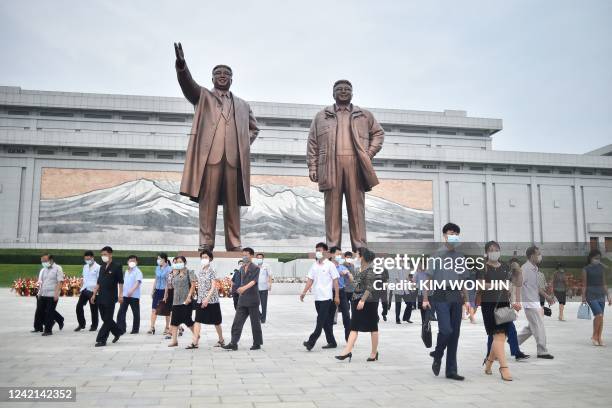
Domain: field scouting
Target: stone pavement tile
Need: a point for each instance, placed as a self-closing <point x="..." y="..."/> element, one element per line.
<point x="305" y="404"/>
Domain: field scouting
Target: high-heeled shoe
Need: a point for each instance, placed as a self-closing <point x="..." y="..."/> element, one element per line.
<point x="344" y="357"/>
<point x="502" y="374"/>
<point x="488" y="366"/>
<point x="151" y="330"/>
<point x="373" y="359"/>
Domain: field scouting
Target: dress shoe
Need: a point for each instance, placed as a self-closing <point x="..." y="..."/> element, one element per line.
<point x="329" y="346"/>
<point x="435" y="366"/>
<point x="398" y="321"/>
<point x="61" y="325"/>
<point x="134" y="332"/>
<point x="255" y="347"/>
<point x="455" y="376"/>
<point x="100" y="344"/>
<point x="116" y="338"/>
<point x="35" y="331"/>
<point x="93" y="328"/>
<point x="230" y="346"/>
<point x="545" y="356"/>
<point x="47" y="334"/>
<point x="79" y="328"/>
<point x="385" y="318"/>
<point x="521" y="356"/>
<point x="307" y="345"/>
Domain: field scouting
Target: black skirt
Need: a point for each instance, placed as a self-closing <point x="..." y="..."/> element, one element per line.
<point x="181" y="314"/>
<point x="561" y="296"/>
<point x="366" y="319"/>
<point x="211" y="314"/>
<point x="488" y="317"/>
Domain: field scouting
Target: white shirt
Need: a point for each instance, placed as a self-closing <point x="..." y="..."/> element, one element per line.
<point x="48" y="278"/>
<point x="323" y="275"/>
<point x="530" y="294"/>
<point x="264" y="274"/>
<point x="90" y="276"/>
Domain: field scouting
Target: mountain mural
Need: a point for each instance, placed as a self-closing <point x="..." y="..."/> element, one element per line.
<point x="153" y="212"/>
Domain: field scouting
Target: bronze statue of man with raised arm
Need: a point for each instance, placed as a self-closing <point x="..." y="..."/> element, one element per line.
<point x="343" y="140"/>
<point x="217" y="163"/>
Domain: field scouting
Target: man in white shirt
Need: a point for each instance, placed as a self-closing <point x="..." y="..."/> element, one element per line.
<point x="50" y="281"/>
<point x="264" y="284"/>
<point x="323" y="280"/>
<point x="132" y="280"/>
<point x="530" y="295"/>
<point x="91" y="270"/>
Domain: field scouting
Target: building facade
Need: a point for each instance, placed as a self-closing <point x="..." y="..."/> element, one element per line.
<point x="82" y="170"/>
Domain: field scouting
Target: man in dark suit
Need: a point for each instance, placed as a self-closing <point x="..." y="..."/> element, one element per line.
<point x="248" y="303"/>
<point x="108" y="291"/>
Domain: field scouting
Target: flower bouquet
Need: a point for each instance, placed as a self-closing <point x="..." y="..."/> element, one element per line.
<point x="224" y="286"/>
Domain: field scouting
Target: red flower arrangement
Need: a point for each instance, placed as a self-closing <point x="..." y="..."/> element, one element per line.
<point x="71" y="286"/>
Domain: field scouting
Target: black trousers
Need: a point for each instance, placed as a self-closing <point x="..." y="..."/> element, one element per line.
<point x="107" y="312"/>
<point x="386" y="303"/>
<point x="344" y="308"/>
<point x="93" y="308"/>
<point x="325" y="322"/>
<point x="46" y="315"/>
<point x="242" y="313"/>
<point x="398" y="307"/>
<point x="134" y="304"/>
<point x="263" y="297"/>
<point x="235" y="297"/>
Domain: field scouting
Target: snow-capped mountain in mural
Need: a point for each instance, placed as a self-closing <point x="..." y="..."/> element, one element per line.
<point x="150" y="211"/>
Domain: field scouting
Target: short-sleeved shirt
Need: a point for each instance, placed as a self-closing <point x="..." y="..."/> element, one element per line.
<point x="250" y="297"/>
<point x="594" y="282"/>
<point x="342" y="276"/>
<point x="492" y="274"/>
<point x="559" y="281"/>
<point x="264" y="274"/>
<point x="323" y="275"/>
<point x="109" y="278"/>
<point x="206" y="279"/>
<point x="161" y="276"/>
<point x="439" y="272"/>
<point x="49" y="278"/>
<point x="90" y="276"/>
<point x="181" y="282"/>
<point x="129" y="280"/>
<point x="530" y="291"/>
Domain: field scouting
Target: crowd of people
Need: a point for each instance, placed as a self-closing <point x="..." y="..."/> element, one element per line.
<point x="344" y="284"/>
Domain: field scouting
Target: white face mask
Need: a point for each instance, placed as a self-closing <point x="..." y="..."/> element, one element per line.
<point x="89" y="261"/>
<point x="105" y="258"/>
<point x="132" y="264"/>
<point x="453" y="240"/>
<point x="339" y="259"/>
<point x="348" y="260"/>
<point x="159" y="261"/>
<point x="46" y="264"/>
<point x="595" y="261"/>
<point x="205" y="261"/>
<point x="258" y="261"/>
<point x="539" y="258"/>
<point x="494" y="256"/>
<point x="178" y="266"/>
<point x="357" y="263"/>
<point x="318" y="255"/>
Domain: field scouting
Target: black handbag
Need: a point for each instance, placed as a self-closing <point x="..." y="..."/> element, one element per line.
<point x="547" y="311"/>
<point x="426" y="329"/>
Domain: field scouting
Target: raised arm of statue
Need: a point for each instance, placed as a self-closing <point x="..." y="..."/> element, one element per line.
<point x="190" y="88"/>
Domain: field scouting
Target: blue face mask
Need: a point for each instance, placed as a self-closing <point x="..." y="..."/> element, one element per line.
<point x="46" y="264"/>
<point x="178" y="266"/>
<point x="452" y="239"/>
<point x="340" y="259"/>
<point x="258" y="261"/>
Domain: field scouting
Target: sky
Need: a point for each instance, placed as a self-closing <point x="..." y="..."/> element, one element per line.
<point x="543" y="66"/>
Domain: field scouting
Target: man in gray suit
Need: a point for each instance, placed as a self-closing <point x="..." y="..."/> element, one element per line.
<point x="248" y="303"/>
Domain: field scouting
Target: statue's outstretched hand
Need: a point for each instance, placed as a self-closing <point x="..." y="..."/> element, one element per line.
<point x="180" y="56"/>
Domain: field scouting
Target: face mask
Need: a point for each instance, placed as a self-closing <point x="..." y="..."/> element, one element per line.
<point x="258" y="261"/>
<point x="348" y="260"/>
<point x="105" y="258"/>
<point x="46" y="264"/>
<point x="159" y="261"/>
<point x="132" y="264"/>
<point x="595" y="261"/>
<point x="178" y="266"/>
<point x="318" y="254"/>
<point x="539" y="258"/>
<point x="357" y="263"/>
<point x="339" y="259"/>
<point x="205" y="261"/>
<point x="245" y="259"/>
<point x="452" y="239"/>
<point x="494" y="256"/>
<point x="89" y="261"/>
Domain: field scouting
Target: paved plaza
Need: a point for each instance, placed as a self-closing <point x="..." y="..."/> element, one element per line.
<point x="142" y="370"/>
